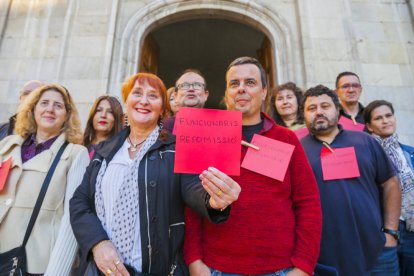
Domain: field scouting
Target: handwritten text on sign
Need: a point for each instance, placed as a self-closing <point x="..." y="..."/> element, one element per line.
<point x="207" y="137"/>
<point x="271" y="160"/>
<point x="340" y="164"/>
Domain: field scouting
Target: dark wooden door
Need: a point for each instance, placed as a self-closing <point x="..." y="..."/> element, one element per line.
<point x="149" y="56"/>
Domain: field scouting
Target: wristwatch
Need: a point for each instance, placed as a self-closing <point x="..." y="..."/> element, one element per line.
<point x="394" y="233"/>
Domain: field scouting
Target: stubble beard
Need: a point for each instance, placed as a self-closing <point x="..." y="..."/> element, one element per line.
<point x="325" y="128"/>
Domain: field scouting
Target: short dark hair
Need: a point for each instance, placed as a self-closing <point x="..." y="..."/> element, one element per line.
<point x="191" y="70"/>
<point x="345" y="73"/>
<point x="298" y="94"/>
<point x="373" y="105"/>
<point x="250" y="60"/>
<point x="320" y="90"/>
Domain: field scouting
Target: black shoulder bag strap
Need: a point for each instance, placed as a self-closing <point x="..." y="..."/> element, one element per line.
<point x="42" y="194"/>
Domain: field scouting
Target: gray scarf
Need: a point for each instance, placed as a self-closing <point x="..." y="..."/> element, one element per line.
<point x="405" y="174"/>
<point x="126" y="210"/>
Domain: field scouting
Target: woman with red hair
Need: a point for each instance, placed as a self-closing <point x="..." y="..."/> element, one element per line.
<point x="128" y="213"/>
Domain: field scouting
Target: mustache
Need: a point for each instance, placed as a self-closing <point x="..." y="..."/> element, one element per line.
<point x="321" y="116"/>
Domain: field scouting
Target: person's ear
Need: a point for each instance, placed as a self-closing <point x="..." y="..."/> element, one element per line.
<point x="264" y="93"/>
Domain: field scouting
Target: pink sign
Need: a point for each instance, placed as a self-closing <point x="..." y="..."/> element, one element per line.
<point x="272" y="158"/>
<point x="4" y="172"/>
<point x="174" y="131"/>
<point x="340" y="164"/>
<point x="208" y="137"/>
<point x="348" y="124"/>
<point x="302" y="132"/>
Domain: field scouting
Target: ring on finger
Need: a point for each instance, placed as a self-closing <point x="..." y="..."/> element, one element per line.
<point x="219" y="193"/>
<point x="117" y="262"/>
<point x="114" y="269"/>
<point x="108" y="271"/>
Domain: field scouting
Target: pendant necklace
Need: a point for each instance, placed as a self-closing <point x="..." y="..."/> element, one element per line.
<point x="134" y="147"/>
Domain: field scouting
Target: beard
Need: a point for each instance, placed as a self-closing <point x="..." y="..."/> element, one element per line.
<point x="323" y="127"/>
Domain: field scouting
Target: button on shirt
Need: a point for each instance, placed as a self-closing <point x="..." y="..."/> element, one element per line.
<point x="31" y="148"/>
<point x="112" y="180"/>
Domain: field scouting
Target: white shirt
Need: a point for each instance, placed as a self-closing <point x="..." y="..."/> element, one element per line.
<point x="112" y="180"/>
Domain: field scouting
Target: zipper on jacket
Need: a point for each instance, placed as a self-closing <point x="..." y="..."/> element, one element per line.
<point x="162" y="152"/>
<point x="173" y="267"/>
<point x="148" y="224"/>
<point x="172" y="225"/>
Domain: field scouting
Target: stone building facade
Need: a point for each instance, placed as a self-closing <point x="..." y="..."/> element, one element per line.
<point x="90" y="46"/>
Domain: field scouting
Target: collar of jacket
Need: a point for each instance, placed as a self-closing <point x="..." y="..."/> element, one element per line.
<point x="110" y="147"/>
<point x="268" y="122"/>
<point x="43" y="160"/>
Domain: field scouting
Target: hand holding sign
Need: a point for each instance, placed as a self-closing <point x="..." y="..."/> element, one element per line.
<point x="223" y="190"/>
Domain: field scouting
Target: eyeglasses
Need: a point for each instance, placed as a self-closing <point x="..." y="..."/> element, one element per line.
<point x="186" y="86"/>
<point x="349" y="85"/>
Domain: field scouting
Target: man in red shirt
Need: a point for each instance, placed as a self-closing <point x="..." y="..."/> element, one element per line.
<point x="275" y="226"/>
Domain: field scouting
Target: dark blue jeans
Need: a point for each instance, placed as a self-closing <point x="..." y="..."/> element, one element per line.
<point x="387" y="263"/>
<point x="406" y="251"/>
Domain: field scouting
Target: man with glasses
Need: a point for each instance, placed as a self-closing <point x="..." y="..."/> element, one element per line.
<point x="349" y="89"/>
<point x="190" y="91"/>
<point x="275" y="226"/>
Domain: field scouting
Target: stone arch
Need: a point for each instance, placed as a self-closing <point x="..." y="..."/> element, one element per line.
<point x="160" y="12"/>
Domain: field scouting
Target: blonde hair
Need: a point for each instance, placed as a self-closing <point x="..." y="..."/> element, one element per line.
<point x="26" y="124"/>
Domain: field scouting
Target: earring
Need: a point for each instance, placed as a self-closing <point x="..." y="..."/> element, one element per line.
<point x="160" y="123"/>
<point x="126" y="122"/>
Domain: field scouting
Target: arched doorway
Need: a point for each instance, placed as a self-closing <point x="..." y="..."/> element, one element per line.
<point x="129" y="46"/>
<point x="205" y="44"/>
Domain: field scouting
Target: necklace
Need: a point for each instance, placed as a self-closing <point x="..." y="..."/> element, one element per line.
<point x="134" y="147"/>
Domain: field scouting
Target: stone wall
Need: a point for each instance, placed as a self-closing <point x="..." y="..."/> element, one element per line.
<point x="90" y="46"/>
<point x="374" y="39"/>
<point x="68" y="42"/>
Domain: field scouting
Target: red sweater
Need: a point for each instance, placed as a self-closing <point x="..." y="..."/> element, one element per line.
<point x="273" y="225"/>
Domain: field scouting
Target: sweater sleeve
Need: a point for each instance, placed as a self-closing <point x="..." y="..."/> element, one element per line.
<point x="64" y="251"/>
<point x="194" y="195"/>
<point x="306" y="203"/>
<point x="193" y="237"/>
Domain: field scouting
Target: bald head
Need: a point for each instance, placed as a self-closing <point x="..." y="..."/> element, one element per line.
<point x="29" y="87"/>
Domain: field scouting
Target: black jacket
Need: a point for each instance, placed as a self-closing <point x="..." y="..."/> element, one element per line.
<point x="7" y="128"/>
<point x="162" y="198"/>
